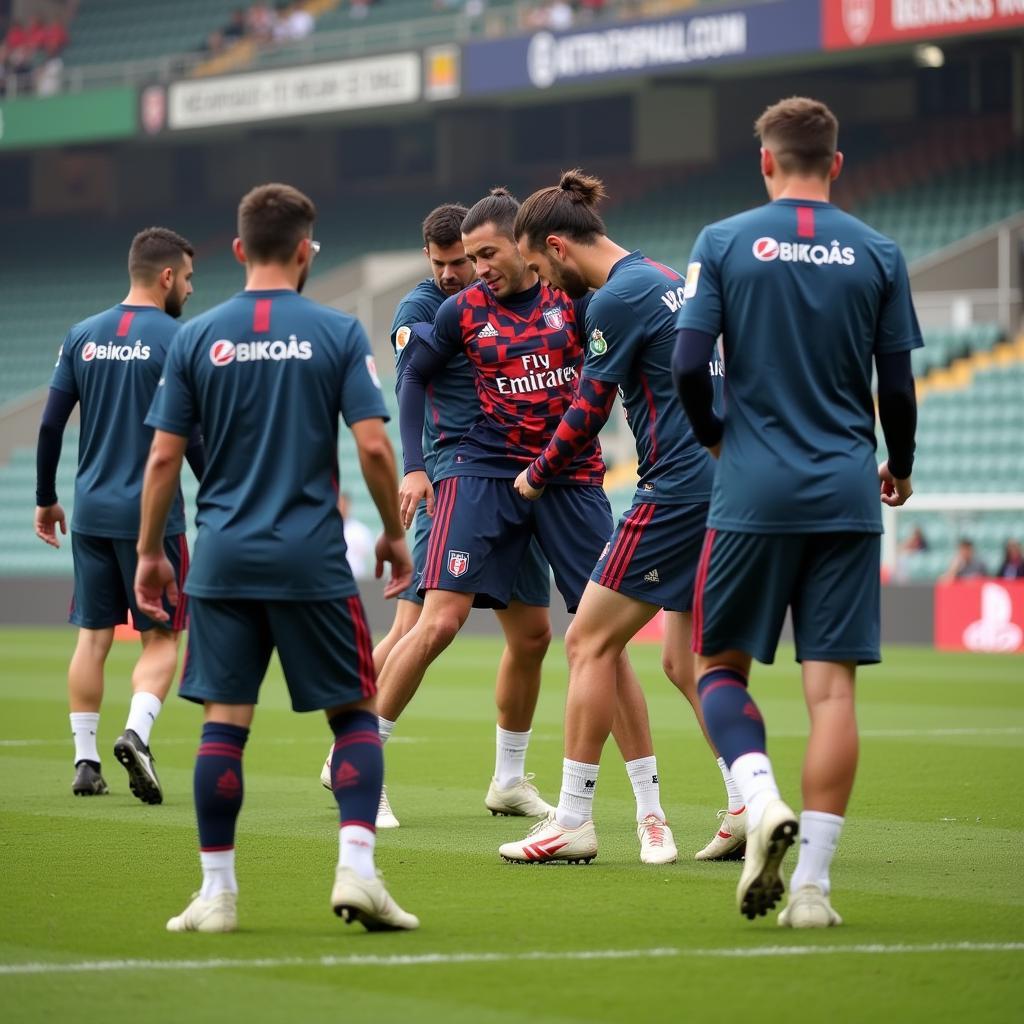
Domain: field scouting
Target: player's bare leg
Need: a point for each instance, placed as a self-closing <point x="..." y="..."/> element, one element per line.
<point x="830" y="765"/>
<point x="151" y="680"/>
<point x="85" y="695"/>
<point x="527" y="631"/>
<point x="677" y="661"/>
<point x="406" y="615"/>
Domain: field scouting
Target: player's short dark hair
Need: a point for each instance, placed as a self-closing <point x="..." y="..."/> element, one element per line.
<point x="443" y="225"/>
<point x="802" y="133"/>
<point x="152" y="250"/>
<point x="272" y="220"/>
<point x="568" y="208"/>
<point x="499" y="208"/>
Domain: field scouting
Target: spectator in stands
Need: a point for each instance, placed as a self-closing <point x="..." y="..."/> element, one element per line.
<point x="293" y="22"/>
<point x="910" y="549"/>
<point x="259" y="22"/>
<point x="965" y="565"/>
<point x="1013" y="561"/>
<point x="55" y="38"/>
<point x="236" y="27"/>
<point x="359" y="540"/>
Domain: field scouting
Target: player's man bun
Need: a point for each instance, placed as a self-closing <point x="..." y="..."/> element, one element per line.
<point x="581" y="187"/>
<point x="499" y="207"/>
<point x="568" y="208"/>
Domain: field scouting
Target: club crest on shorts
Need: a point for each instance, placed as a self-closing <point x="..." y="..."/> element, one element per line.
<point x="458" y="563"/>
<point x="554" y="319"/>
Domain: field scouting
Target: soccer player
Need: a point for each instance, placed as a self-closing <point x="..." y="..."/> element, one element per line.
<point x="806" y="297"/>
<point x="650" y="562"/>
<point x="110" y="365"/>
<point x="452" y="407"/>
<point x="521" y="338"/>
<point x="266" y="374"/>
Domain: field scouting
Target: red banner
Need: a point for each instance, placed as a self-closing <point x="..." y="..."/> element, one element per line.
<point x="851" y="23"/>
<point x="980" y="615"/>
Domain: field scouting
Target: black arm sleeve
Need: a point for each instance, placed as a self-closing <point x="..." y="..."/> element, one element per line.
<point x="59" y="405"/>
<point x="422" y="364"/>
<point x="897" y="410"/>
<point x="693" y="352"/>
<point x="195" y="453"/>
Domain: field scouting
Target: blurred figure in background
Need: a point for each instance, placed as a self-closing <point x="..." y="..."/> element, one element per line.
<point x="966" y="564"/>
<point x="1013" y="561"/>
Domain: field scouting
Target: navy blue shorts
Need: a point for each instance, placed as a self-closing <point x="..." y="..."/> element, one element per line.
<point x="482" y="532"/>
<point x="653" y="554"/>
<point x="324" y="646"/>
<point x="830" y="581"/>
<point x="105" y="583"/>
<point x="532" y="584"/>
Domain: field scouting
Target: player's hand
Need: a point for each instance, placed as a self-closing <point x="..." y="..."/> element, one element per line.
<point x="525" y="489"/>
<point x="894" y="492"/>
<point x="395" y="551"/>
<point x="154" y="576"/>
<point x="47" y="521"/>
<point x="415" y="488"/>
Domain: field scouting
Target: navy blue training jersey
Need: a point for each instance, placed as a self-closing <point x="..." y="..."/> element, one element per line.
<point x="631" y="331"/>
<point x="525" y="354"/>
<point x="452" y="405"/>
<point x="804" y="295"/>
<point x="266" y="374"/>
<point x="111" y="363"/>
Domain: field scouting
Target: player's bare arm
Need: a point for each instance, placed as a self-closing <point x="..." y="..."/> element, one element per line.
<point x="154" y="575"/>
<point x="377" y="462"/>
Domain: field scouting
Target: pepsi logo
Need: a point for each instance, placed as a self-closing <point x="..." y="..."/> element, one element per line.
<point x="222" y="353"/>
<point x="766" y="249"/>
<point x="89" y="351"/>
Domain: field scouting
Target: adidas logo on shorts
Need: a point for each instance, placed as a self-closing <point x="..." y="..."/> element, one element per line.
<point x="488" y="331"/>
<point x="652" y="576"/>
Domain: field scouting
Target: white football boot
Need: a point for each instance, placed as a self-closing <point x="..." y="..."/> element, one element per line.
<point x="520" y="800"/>
<point x="656" y="843"/>
<point x="730" y="839"/>
<point x="548" y="841"/>
<point x="808" y="907"/>
<point x="762" y="883"/>
<point x="368" y="902"/>
<point x="219" y="914"/>
<point x="325" y="772"/>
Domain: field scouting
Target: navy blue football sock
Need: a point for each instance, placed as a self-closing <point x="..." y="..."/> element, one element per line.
<point x="732" y="718"/>
<point x="357" y="767"/>
<point x="217" y="784"/>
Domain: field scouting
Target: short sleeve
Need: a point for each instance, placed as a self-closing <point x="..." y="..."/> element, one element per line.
<point x="702" y="294"/>
<point x="898" y="329"/>
<point x="174" y="406"/>
<point x="361" y="397"/>
<point x="614" y="338"/>
<point x="63" y="378"/>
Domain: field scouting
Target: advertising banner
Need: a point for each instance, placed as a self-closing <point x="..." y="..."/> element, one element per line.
<point x="980" y="615"/>
<point x="851" y="23"/>
<point x="545" y="59"/>
<point x="295" y="92"/>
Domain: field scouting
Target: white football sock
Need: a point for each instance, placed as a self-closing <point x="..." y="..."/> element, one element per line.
<point x="643" y="776"/>
<point x="733" y="791"/>
<point x="356" y="845"/>
<point x="142" y="714"/>
<point x="218" y="873"/>
<point x="510" y="756"/>
<point x="576" y="800"/>
<point x="819" y="837"/>
<point x="384" y="727"/>
<point x="756" y="781"/>
<point x="84" y="726"/>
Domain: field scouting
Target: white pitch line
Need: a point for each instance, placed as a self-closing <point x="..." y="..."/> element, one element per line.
<point x="446" y="959"/>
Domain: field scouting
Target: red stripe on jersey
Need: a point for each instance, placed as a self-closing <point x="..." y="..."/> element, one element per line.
<point x="261" y="315"/>
<point x="667" y="271"/>
<point x="652" y="417"/>
<point x="126" y="324"/>
<point x="698" y="592"/>
<point x="364" y="649"/>
<point x="805" y="221"/>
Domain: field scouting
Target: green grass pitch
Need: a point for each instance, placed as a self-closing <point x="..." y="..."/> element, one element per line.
<point x="929" y="874"/>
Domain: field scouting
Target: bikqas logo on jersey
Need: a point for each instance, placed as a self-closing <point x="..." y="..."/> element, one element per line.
<point x="767" y="249"/>
<point x="115" y="353"/>
<point x="554" y="319"/>
<point x="224" y="351"/>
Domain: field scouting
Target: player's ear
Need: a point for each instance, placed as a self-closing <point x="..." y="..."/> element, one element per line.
<point x="239" y="251"/>
<point x="767" y="162"/>
<point x="837" y="166"/>
<point x="166" y="278"/>
<point x="556" y="245"/>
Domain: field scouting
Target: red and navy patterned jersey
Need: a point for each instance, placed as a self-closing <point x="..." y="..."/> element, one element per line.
<point x="526" y="355"/>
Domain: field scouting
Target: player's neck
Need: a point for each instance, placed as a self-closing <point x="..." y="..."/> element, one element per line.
<point x="138" y="296"/>
<point x="266" y="277"/>
<point x="813" y="190"/>
<point x="596" y="261"/>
